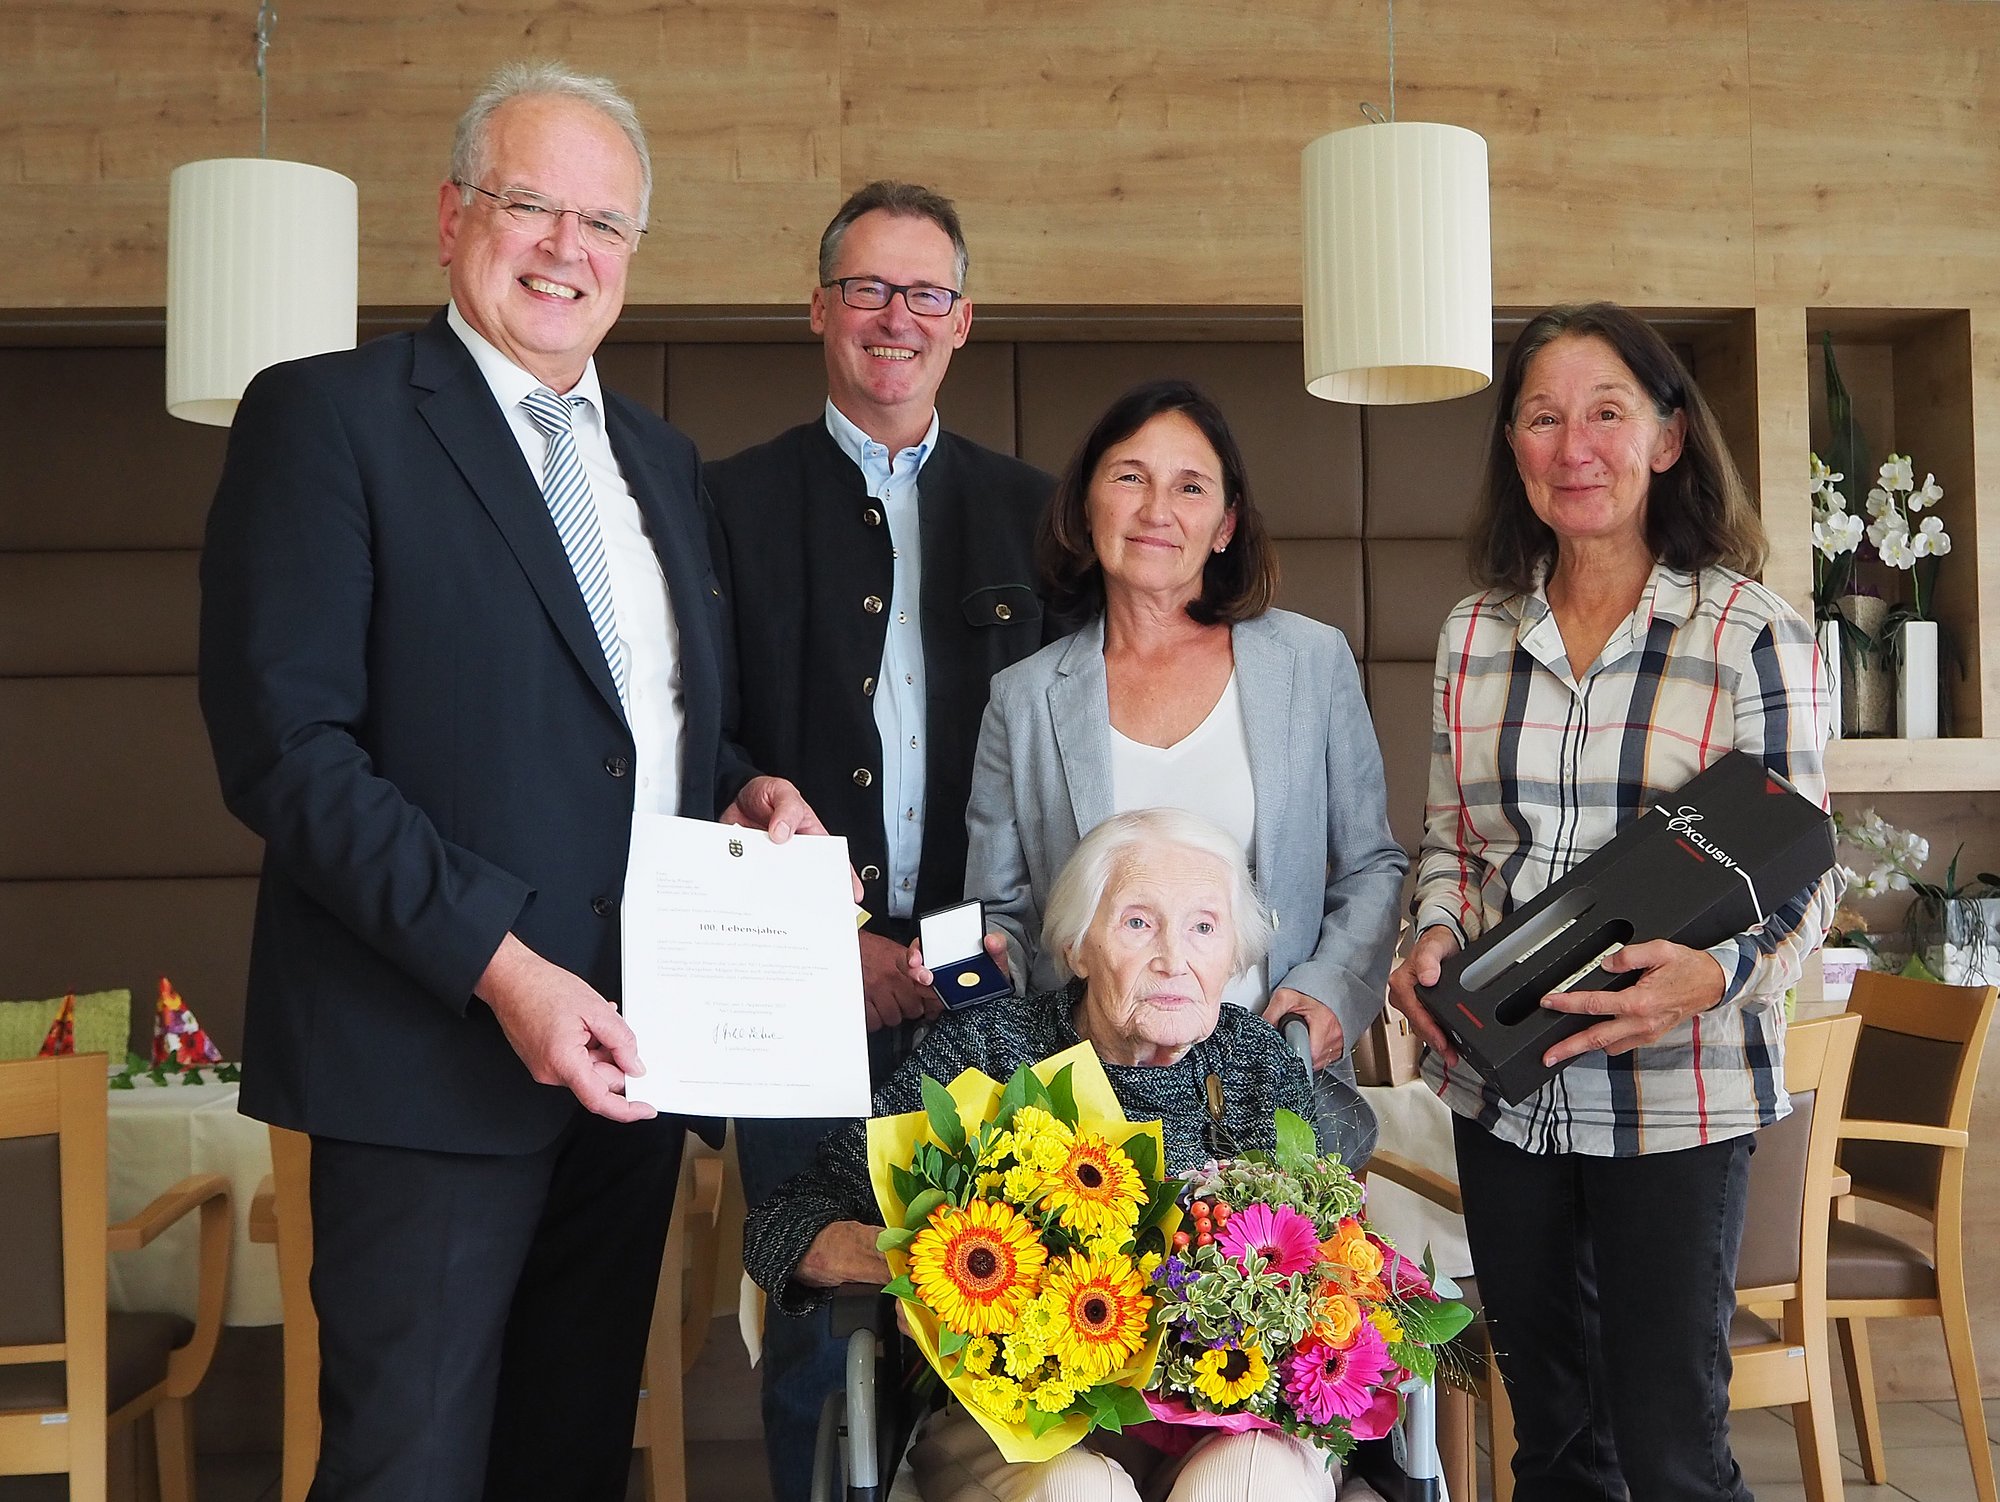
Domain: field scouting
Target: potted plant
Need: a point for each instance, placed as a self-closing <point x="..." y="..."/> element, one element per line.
<point x="1910" y="634"/>
<point x="1952" y="927"/>
<point x="1890" y="861"/>
<point x="1848" y="616"/>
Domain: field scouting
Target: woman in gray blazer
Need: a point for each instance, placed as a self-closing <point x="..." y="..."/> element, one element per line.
<point x="1186" y="688"/>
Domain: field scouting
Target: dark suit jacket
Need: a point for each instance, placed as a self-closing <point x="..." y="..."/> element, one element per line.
<point x="408" y="703"/>
<point x="802" y="549"/>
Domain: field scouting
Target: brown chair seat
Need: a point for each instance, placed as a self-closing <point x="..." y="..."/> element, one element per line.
<point x="136" y="1359"/>
<point x="1747" y="1329"/>
<point x="1864" y="1263"/>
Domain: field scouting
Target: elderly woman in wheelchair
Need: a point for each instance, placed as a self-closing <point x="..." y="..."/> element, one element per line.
<point x="1153" y="915"/>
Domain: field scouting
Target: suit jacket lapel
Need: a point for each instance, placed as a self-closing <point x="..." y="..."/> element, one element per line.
<point x="468" y="423"/>
<point x="671" y="516"/>
<point x="1264" y="672"/>
<point x="1080" y="713"/>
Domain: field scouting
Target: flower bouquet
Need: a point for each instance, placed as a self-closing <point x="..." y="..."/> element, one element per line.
<point x="1282" y="1310"/>
<point x="1024" y="1224"/>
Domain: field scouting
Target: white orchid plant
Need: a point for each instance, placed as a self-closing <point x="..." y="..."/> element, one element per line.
<point x="1891" y="858"/>
<point x="1895" y="503"/>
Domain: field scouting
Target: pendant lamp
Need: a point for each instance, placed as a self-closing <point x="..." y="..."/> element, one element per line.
<point x="1398" y="266"/>
<point x="262" y="263"/>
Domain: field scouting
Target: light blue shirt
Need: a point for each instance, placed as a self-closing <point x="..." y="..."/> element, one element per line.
<point x="899" y="687"/>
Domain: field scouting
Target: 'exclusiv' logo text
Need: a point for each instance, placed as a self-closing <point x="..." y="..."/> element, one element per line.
<point x="1683" y="824"/>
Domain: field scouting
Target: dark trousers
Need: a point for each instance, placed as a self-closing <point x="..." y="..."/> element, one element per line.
<point x="483" y="1319"/>
<point x="801" y="1361"/>
<point x="1608" y="1285"/>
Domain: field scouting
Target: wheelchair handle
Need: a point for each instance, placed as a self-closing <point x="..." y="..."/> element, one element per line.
<point x="1298" y="1037"/>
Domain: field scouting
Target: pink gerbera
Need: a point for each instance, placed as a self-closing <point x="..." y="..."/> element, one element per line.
<point x="1323" y="1382"/>
<point x="1277" y="1233"/>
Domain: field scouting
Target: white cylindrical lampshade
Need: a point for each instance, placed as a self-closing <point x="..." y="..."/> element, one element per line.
<point x="1398" y="264"/>
<point x="261" y="267"/>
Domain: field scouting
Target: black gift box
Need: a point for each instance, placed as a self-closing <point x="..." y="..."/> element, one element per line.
<point x="952" y="932"/>
<point x="1701" y="865"/>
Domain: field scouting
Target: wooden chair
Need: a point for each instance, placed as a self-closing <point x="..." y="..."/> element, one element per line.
<point x="1782" y="1268"/>
<point x="1903" y="1144"/>
<point x="71" y="1373"/>
<point x="282" y="1214"/>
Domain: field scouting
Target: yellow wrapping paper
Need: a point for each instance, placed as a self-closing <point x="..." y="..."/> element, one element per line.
<point x="893" y="1141"/>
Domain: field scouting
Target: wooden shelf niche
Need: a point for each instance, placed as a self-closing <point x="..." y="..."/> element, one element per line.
<point x="1910" y="374"/>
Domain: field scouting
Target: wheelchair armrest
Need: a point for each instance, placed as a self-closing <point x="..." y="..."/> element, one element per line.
<point x="861" y="1306"/>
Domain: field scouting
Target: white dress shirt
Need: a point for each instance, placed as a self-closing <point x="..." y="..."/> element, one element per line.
<point x="899" y="694"/>
<point x="646" y="628"/>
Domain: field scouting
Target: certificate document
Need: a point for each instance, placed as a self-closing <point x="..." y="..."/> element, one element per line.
<point x="742" y="972"/>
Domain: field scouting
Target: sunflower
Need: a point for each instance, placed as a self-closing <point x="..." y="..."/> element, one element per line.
<point x="974" y="1268"/>
<point x="1231" y="1375"/>
<point x="1099" y="1308"/>
<point x="1096" y="1192"/>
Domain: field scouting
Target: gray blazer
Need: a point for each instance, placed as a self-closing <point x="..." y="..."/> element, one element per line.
<point x="1324" y="858"/>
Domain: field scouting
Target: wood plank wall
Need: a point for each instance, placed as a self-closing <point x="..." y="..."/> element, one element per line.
<point x="1690" y="152"/>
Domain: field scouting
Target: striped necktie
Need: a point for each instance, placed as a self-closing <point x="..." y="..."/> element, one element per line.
<point x="567" y="490"/>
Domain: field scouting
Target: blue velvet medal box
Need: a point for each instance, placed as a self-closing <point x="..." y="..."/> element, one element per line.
<point x="1712" y="860"/>
<point x="968" y="975"/>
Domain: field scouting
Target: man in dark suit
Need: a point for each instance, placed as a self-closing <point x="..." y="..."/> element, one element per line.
<point x="458" y="622"/>
<point x="881" y="571"/>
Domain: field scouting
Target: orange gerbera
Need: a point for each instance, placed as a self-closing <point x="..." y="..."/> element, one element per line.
<point x="1097" y="1192"/>
<point x="1100" y="1307"/>
<point x="974" y="1268"/>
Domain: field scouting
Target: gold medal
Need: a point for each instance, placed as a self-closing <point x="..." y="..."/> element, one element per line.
<point x="968" y="978"/>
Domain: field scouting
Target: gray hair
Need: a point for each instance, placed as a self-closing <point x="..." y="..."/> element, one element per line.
<point x="1080" y="888"/>
<point x="520" y="80"/>
<point x="905" y="201"/>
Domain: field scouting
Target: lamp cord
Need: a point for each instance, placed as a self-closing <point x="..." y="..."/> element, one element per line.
<point x="1370" y="111"/>
<point x="267" y="18"/>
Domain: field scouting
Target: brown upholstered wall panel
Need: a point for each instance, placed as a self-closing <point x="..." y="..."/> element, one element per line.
<point x="1399" y="698"/>
<point x="1425" y="462"/>
<point x="102" y="465"/>
<point x="1412" y="586"/>
<point x="1303" y="455"/>
<point x="111" y="777"/>
<point x="90" y="935"/>
<point x="635" y="370"/>
<point x="1322" y="578"/>
<point x="729" y="396"/>
<point x="92" y="613"/>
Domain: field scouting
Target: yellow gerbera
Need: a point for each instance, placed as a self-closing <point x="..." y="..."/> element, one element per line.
<point x="974" y="1268"/>
<point x="1096" y="1192"/>
<point x="1230" y="1375"/>
<point x="1099" y="1308"/>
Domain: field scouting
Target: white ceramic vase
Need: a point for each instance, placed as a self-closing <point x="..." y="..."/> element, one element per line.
<point x="1917" y="683"/>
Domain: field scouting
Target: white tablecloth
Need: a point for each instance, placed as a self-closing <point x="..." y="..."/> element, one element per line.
<point x="1416" y="1126"/>
<point x="158" y="1135"/>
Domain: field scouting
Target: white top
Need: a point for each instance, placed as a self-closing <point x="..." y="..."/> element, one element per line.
<point x="1206" y="772"/>
<point x="646" y="628"/>
<point x="900" y="691"/>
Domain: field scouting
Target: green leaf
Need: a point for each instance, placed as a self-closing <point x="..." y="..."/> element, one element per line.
<point x="1130" y="1405"/>
<point x="1014" y="1096"/>
<point x="1039" y="1422"/>
<point x="892" y="1238"/>
<point x="1144" y="1153"/>
<point x="1062" y="1096"/>
<point x="138" y="1063"/>
<point x="943" y="1113"/>
<point x="905" y="1183"/>
<point x="1297" y="1144"/>
<point x="121" y="1082"/>
<point x="1038" y="1094"/>
<point x="1433" y="1324"/>
<point x="919" y="1212"/>
<point x="951" y="1342"/>
<point x="900" y="1288"/>
<point x="228" y="1074"/>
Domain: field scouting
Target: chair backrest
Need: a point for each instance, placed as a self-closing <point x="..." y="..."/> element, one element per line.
<point x="52" y="1245"/>
<point x="1791" y="1172"/>
<point x="1918" y="1061"/>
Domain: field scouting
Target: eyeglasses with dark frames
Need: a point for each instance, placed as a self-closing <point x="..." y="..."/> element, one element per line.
<point x="871" y="293"/>
<point x="601" y="229"/>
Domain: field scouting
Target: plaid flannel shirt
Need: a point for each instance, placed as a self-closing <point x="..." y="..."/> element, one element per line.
<point x="1533" y="769"/>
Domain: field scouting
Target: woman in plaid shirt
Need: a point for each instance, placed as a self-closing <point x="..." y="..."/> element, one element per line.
<point x="1619" y="648"/>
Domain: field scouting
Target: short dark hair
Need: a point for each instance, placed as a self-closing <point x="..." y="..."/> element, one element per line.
<point x="906" y="201"/>
<point x="1698" y="513"/>
<point x="1236" y="584"/>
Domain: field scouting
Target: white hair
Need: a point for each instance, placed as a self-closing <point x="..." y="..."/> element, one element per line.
<point x="1074" y="900"/>
<point x="520" y="80"/>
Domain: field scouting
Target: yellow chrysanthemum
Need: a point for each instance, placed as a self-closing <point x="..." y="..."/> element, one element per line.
<point x="1096" y="1192"/>
<point x="998" y="1146"/>
<point x="1021" y="1185"/>
<point x="1387" y="1324"/>
<point x="1231" y="1375"/>
<point x="1000" y="1397"/>
<point x="1099" y="1309"/>
<point x="979" y="1354"/>
<point x="974" y="1268"/>
<point x="1053" y="1395"/>
<point x="1022" y="1354"/>
<point x="1040" y="1141"/>
<point x="1150" y="1264"/>
<point x="1339" y="1321"/>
